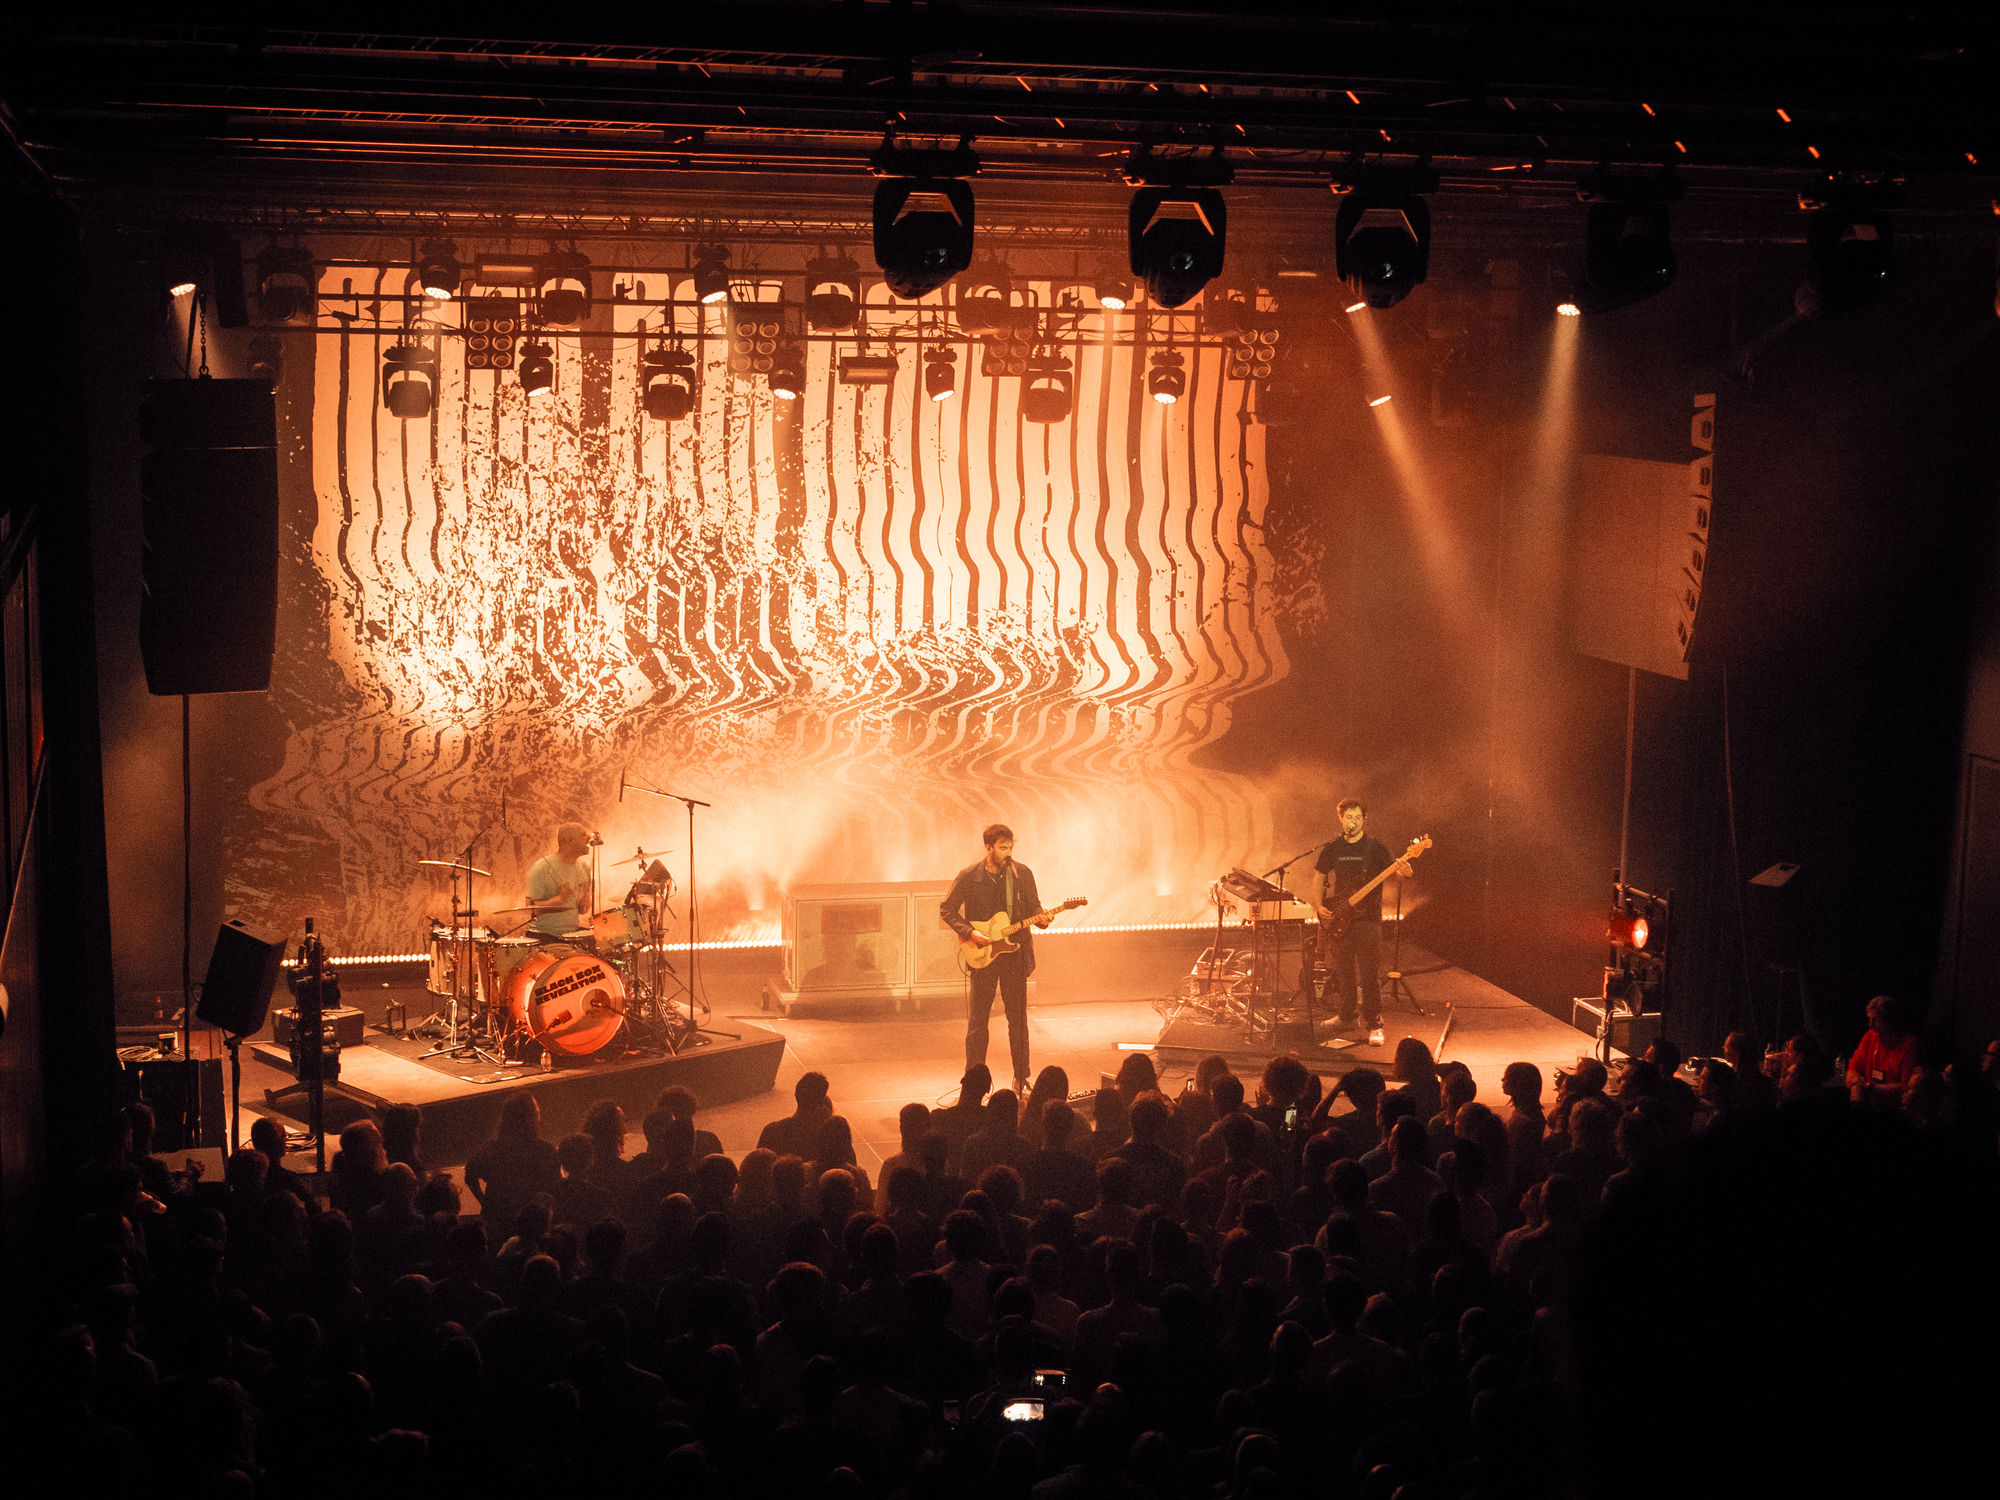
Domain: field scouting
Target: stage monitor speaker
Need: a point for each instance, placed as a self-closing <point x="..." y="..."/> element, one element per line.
<point x="242" y="973"/>
<point x="208" y="614"/>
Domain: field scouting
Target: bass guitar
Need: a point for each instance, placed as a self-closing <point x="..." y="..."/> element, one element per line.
<point x="1343" y="914"/>
<point x="997" y="929"/>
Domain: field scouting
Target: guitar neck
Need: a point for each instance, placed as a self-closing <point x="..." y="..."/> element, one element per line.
<point x="1028" y="921"/>
<point x="1408" y="854"/>
<point x="1361" y="895"/>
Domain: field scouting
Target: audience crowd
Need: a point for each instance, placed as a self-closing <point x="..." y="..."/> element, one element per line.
<point x="1359" y="1286"/>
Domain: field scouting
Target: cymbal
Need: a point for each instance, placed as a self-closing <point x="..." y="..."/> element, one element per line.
<point x="448" y="864"/>
<point x="640" y="857"/>
<point x="508" y="911"/>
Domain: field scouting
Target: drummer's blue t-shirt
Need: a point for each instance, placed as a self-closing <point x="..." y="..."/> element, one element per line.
<point x="548" y="875"/>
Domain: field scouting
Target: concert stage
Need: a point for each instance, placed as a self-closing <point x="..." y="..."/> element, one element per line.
<point x="461" y="1101"/>
<point x="1100" y="996"/>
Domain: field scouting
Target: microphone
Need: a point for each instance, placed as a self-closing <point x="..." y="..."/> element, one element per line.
<point x="621" y="786"/>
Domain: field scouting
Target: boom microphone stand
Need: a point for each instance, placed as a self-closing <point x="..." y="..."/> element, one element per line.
<point x="690" y="1028"/>
<point x="1282" y="874"/>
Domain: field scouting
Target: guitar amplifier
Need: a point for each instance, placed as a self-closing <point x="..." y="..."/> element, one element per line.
<point x="933" y="946"/>
<point x="857" y="940"/>
<point x="881" y="940"/>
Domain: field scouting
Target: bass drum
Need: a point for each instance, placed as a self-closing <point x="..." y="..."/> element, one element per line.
<point x="567" y="1001"/>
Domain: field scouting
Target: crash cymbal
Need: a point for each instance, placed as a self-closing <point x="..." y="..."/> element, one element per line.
<point x="449" y="864"/>
<point x="508" y="911"/>
<point x="640" y="857"/>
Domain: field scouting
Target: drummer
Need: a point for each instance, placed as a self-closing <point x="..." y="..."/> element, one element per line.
<point x="559" y="884"/>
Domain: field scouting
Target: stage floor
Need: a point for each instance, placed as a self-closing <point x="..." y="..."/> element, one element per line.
<point x="878" y="1064"/>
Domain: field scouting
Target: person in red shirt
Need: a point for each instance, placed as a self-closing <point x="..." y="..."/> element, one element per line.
<point x="1882" y="1064"/>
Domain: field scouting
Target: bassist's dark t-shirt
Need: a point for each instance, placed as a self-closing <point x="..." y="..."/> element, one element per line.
<point x="1353" y="866"/>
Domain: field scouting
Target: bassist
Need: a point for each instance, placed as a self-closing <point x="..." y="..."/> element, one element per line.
<point x="996" y="883"/>
<point x="1351" y="937"/>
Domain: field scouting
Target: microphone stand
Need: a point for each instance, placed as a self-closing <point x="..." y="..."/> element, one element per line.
<point x="693" y="1027"/>
<point x="1282" y="873"/>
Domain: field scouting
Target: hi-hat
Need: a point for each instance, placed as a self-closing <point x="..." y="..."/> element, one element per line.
<point x="643" y="854"/>
<point x="447" y="864"/>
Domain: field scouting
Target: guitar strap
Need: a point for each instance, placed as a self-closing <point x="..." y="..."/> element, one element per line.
<point x="1010" y="892"/>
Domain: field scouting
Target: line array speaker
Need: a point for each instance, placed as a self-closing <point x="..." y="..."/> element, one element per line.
<point x="208" y="618"/>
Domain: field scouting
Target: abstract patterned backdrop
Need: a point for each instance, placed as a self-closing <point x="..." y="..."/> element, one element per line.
<point x="860" y="625"/>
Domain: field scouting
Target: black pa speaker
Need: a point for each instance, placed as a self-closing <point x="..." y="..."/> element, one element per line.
<point x="208" y="619"/>
<point x="242" y="972"/>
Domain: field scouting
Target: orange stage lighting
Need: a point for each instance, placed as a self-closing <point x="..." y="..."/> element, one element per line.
<point x="1627" y="929"/>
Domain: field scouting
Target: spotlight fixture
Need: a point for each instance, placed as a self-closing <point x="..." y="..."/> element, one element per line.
<point x="1166" y="380"/>
<point x="538" y="368"/>
<point x="940" y="374"/>
<point x="1225" y="312"/>
<point x="1114" y="292"/>
<point x="1046" y="393"/>
<point x="711" y="274"/>
<point x="1569" y="310"/>
<point x="754" y="326"/>
<point x="868" y="369"/>
<point x="287" y="285"/>
<point x="1628" y="251"/>
<point x="1252" y="349"/>
<point x="1355" y="307"/>
<point x="984" y="302"/>
<point x="562" y="289"/>
<point x="667" y="384"/>
<point x="1382" y="232"/>
<point x="492" y="324"/>
<point x="1177" y="226"/>
<point x="1378" y="400"/>
<point x="1177" y="239"/>
<point x="788" y="372"/>
<point x="1628" y="929"/>
<point x="833" y="293"/>
<point x="1640" y="932"/>
<point x="437" y="270"/>
<point x="1850" y="247"/>
<point x="409" y="379"/>
<point x="181" y="289"/>
<point x="518" y="272"/>
<point x="923" y="215"/>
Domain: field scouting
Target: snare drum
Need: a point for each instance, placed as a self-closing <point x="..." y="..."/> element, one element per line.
<point x="620" y="927"/>
<point x="565" y="1000"/>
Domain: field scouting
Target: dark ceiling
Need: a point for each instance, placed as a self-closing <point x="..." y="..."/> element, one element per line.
<point x="762" y="114"/>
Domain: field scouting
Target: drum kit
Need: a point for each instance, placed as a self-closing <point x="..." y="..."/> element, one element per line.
<point x="559" y="997"/>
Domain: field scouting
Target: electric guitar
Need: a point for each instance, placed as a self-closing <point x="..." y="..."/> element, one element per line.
<point x="1343" y="914"/>
<point x="997" y="929"/>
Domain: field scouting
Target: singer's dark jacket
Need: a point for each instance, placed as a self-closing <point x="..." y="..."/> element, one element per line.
<point x="977" y="893"/>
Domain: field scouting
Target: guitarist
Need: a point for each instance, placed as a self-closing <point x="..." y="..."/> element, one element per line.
<point x="1355" y="951"/>
<point x="997" y="883"/>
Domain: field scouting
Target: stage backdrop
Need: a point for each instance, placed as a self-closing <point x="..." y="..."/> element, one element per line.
<point x="860" y="626"/>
